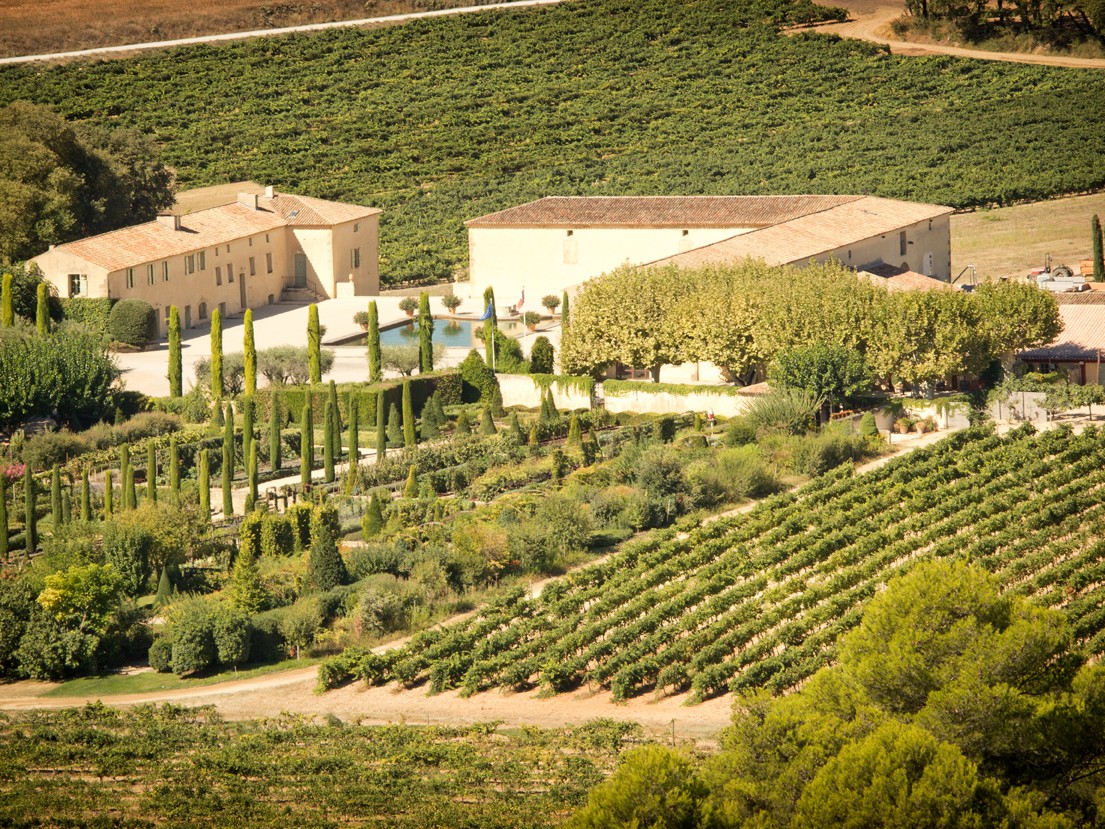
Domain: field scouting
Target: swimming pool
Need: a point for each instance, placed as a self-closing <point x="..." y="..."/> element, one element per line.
<point x="447" y="333"/>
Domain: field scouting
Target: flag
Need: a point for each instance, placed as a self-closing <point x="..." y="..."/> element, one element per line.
<point x="521" y="300"/>
<point x="487" y="313"/>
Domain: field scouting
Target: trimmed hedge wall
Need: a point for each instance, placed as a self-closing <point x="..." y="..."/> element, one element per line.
<point x="133" y="321"/>
<point x="93" y="312"/>
<point x="447" y="384"/>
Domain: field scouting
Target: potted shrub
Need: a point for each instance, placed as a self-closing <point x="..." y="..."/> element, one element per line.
<point x="451" y="303"/>
<point x="531" y="318"/>
<point x="903" y="425"/>
<point x="408" y="304"/>
<point x="361" y="319"/>
<point x="551" y="302"/>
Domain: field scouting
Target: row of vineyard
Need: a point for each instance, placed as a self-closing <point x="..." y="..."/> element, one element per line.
<point x="762" y="600"/>
<point x="443" y="120"/>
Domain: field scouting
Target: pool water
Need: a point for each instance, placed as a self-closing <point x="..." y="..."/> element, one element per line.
<point x="448" y="333"/>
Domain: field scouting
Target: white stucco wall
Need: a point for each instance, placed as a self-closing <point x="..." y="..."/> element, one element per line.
<point x="548" y="260"/>
<point x="923" y="239"/>
<point x="726" y="405"/>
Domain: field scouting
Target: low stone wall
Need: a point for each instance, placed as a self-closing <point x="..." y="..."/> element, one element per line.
<point x="521" y="390"/>
<point x="444" y="289"/>
<point x="662" y="402"/>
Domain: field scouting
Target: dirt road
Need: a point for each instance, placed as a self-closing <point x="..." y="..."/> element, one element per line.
<point x="871" y="21"/>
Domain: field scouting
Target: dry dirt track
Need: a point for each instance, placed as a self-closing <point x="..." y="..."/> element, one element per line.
<point x="871" y="21"/>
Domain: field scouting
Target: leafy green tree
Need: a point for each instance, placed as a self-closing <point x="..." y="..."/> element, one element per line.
<point x="425" y="334"/>
<point x="246" y="591"/>
<point x="204" y="478"/>
<point x="542" y="356"/>
<point x="515" y="429"/>
<point x="7" y="312"/>
<point x="249" y="354"/>
<point x="832" y="373"/>
<point x="867" y="426"/>
<point x="42" y="312"/>
<point x="230" y="630"/>
<point x="176" y="367"/>
<point x="276" y="418"/>
<point x="314" y="343"/>
<point x="124" y="474"/>
<point x="1097" y="239"/>
<point x="216" y="355"/>
<point x="554" y="413"/>
<point x="1014" y="316"/>
<point x="410" y="435"/>
<point x="653" y="786"/>
<point x="372" y="343"/>
<point x="193" y="636"/>
<point x="381" y="429"/>
<point x="83" y="597"/>
<point x="127" y="548"/>
<point x="228" y="434"/>
<point x="300" y="624"/>
<point x="325" y="567"/>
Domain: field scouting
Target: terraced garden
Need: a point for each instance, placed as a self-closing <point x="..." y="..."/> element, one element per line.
<point x="761" y="600"/>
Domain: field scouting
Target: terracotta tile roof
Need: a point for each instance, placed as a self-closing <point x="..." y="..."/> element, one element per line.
<point x="895" y="279"/>
<point x="660" y="211"/>
<point x="805" y="237"/>
<point x="1090" y="297"/>
<point x="138" y="244"/>
<point x="1082" y="338"/>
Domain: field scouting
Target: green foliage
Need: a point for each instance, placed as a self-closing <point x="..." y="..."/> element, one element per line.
<point x="42" y="310"/>
<point x="176" y="370"/>
<point x="276" y="422"/>
<point x="381" y="430"/>
<point x="246" y="592"/>
<point x="410" y="488"/>
<point x="354" y="430"/>
<point x="314" y="344"/>
<point x="373" y="521"/>
<point x="431" y="423"/>
<point x="490" y="327"/>
<point x="7" y="312"/>
<point x="564" y="315"/>
<point x="325" y="568"/>
<point x="68" y="372"/>
<point x="828" y="372"/>
<point x="394" y="428"/>
<point x="216" y="364"/>
<point x="372" y="345"/>
<point x="425" y="335"/>
<point x="133" y="321"/>
<point x="30" y="515"/>
<point x="487" y="425"/>
<point x="92" y="312"/>
<point x="278" y="535"/>
<point x="550" y="302"/>
<point x="328" y="444"/>
<point x="128" y="549"/>
<point x="867" y="426"/>
<point x="301" y="623"/>
<point x="788" y="410"/>
<point x="306" y="444"/>
<point x="1098" y="252"/>
<point x="289" y="364"/>
<point x="542" y="356"/>
<point x="410" y="436"/>
<point x="203" y="477"/>
<point x="249" y="354"/>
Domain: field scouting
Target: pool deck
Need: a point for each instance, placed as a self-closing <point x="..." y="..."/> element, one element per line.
<point x="286" y="324"/>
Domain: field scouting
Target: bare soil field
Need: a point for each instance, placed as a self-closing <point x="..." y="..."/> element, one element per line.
<point x="1010" y="241"/>
<point x="29" y="27"/>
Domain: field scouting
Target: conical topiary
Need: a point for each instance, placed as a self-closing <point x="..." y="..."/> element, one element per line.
<point x="410" y="488"/>
<point x="395" y="428"/>
<point x="574" y="437"/>
<point x="487" y="424"/>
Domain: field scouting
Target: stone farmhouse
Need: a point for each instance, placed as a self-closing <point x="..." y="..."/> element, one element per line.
<point x="557" y="243"/>
<point x="1078" y="350"/>
<point x="231" y="257"/>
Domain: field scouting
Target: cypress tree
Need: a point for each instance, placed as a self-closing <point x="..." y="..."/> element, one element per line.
<point x="306" y="443"/>
<point x="249" y="354"/>
<point x="463" y="425"/>
<point x="4" y="518"/>
<point x="246" y="591"/>
<point x="372" y="344"/>
<point x="274" y="433"/>
<point x="489" y="327"/>
<point x="410" y="488"/>
<point x="164" y="587"/>
<point x="205" y="484"/>
<point x="325" y="567"/>
<point x="373" y="521"/>
<point x="246" y="407"/>
<point x="253" y="474"/>
<point x="176" y="367"/>
<point x="216" y="355"/>
<point x="228" y="480"/>
<point x="431" y="428"/>
<point x="553" y="413"/>
<point x="328" y="443"/>
<point x="130" y="496"/>
<point x="7" y="310"/>
<point x="516" y="429"/>
<point x="30" y="520"/>
<point x="497" y="409"/>
<point x="1098" y="250"/>
<point x="381" y="428"/>
<point x="151" y="472"/>
<point x="544" y="414"/>
<point x="487" y="425"/>
<point x="55" y="497"/>
<point x="124" y="470"/>
<point x="354" y="430"/>
<point x="564" y="310"/>
<point x="228" y="437"/>
<point x="574" y="437"/>
<point x="395" y="428"/>
<point x="314" y="344"/>
<point x="174" y="466"/>
<point x="439" y="412"/>
<point x="335" y="426"/>
<point x="533" y="442"/>
<point x="42" y="310"/>
<point x="86" y="496"/>
<point x="109" y="491"/>
<point x="425" y="335"/>
<point x="66" y="507"/>
<point x="410" y="436"/>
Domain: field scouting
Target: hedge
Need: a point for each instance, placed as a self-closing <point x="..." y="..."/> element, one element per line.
<point x="446" y="384"/>
<point x="624" y="388"/>
<point x="91" y="311"/>
<point x="133" y="321"/>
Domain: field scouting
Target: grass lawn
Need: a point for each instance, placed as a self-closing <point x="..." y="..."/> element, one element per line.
<point x="150" y="681"/>
<point x="1010" y="241"/>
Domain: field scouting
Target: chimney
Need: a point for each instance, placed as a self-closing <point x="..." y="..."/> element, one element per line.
<point x="248" y="200"/>
<point x="169" y="220"/>
<point x="269" y="193"/>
